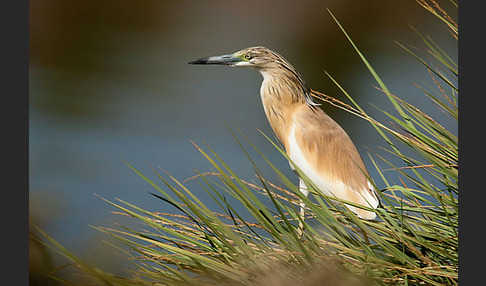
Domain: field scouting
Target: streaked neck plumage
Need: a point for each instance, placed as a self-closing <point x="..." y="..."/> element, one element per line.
<point x="282" y="92"/>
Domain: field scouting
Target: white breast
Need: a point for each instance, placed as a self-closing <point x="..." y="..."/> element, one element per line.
<point x="297" y="156"/>
<point x="266" y="80"/>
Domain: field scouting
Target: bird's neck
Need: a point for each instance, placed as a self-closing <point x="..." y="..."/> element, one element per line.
<point x="281" y="95"/>
<point x="282" y="86"/>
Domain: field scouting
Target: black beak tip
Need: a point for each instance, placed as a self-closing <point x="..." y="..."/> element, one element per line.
<point x="198" y="62"/>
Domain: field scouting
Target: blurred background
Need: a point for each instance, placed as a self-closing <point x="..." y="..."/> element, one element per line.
<point x="109" y="83"/>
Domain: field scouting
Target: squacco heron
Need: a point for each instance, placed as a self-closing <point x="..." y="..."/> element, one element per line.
<point x="313" y="141"/>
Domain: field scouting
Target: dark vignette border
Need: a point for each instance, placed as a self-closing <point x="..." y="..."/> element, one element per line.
<point x="472" y="125"/>
<point x="14" y="21"/>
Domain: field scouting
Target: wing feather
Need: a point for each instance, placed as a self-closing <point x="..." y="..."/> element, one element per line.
<point x="326" y="155"/>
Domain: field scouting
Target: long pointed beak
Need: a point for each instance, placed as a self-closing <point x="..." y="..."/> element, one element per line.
<point x="217" y="60"/>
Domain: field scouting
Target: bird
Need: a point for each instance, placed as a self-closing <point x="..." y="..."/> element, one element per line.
<point x="313" y="141"/>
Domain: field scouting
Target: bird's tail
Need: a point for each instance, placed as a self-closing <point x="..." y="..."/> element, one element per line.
<point x="369" y="198"/>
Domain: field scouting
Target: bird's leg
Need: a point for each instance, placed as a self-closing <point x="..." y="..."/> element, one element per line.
<point x="305" y="192"/>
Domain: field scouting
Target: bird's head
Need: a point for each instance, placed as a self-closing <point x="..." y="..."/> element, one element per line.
<point x="267" y="62"/>
<point x="256" y="57"/>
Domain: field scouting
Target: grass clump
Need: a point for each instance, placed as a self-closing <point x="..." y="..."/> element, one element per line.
<point x="413" y="242"/>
